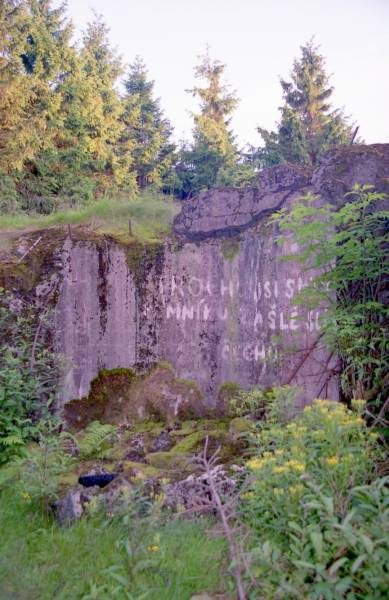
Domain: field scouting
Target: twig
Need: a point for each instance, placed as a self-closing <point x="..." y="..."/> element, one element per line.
<point x="233" y="550"/>
<point x="380" y="415"/>
<point x="35" y="342"/>
<point x="29" y="250"/>
<point x="305" y="357"/>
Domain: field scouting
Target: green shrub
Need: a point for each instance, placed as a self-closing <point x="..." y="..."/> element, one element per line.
<point x="277" y="404"/>
<point x="28" y="374"/>
<point x="43" y="464"/>
<point x="8" y="195"/>
<point x="329" y="555"/>
<point x="347" y="249"/>
<point x="313" y="535"/>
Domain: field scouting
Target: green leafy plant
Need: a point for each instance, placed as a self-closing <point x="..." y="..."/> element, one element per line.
<point x="277" y="404"/>
<point x="44" y="463"/>
<point x="96" y="440"/>
<point x="28" y="373"/>
<point x="330" y="556"/>
<point x="346" y="247"/>
<point x="316" y="522"/>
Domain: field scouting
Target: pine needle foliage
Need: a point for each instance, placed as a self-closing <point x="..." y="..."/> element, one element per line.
<point x="309" y="125"/>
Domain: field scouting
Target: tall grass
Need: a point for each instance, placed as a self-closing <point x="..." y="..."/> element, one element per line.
<point x="151" y="215"/>
<point x="41" y="561"/>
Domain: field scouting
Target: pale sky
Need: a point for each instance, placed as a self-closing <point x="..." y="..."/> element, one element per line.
<point x="257" y="40"/>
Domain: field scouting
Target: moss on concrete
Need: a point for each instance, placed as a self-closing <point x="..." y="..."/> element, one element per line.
<point x="230" y="248"/>
<point x="120" y="396"/>
<point x="105" y="400"/>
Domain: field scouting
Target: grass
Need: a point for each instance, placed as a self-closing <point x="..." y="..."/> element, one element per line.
<point x="41" y="561"/>
<point x="151" y="215"/>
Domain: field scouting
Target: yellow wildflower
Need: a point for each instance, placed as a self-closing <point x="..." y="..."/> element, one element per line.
<point x="279" y="452"/>
<point x="254" y="464"/>
<point x="319" y="435"/>
<point x="278" y="491"/>
<point x="358" y="404"/>
<point x="280" y="469"/>
<point x="332" y="461"/>
<point x="247" y="495"/>
<point x="296" y="489"/>
<point x="153" y="548"/>
<point x="26" y="496"/>
<point x="296" y="465"/>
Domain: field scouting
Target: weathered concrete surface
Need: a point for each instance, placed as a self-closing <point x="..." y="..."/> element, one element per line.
<point x="95" y="317"/>
<point x="216" y="301"/>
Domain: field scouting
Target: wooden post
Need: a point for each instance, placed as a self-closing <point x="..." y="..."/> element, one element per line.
<point x="69" y="231"/>
<point x="354" y="136"/>
<point x="129" y="228"/>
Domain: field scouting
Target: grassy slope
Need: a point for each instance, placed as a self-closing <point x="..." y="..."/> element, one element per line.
<point x="40" y="561"/>
<point x="151" y="215"/>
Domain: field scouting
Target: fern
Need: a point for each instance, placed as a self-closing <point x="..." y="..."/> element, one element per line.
<point x="96" y="440"/>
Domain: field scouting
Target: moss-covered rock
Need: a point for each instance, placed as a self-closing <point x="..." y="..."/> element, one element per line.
<point x="171" y="461"/>
<point x="165" y="397"/>
<point x="140" y="470"/>
<point x="120" y="396"/>
<point x="108" y="396"/>
<point x="240" y="425"/>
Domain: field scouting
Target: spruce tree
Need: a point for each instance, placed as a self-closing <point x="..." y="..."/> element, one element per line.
<point x="308" y="125"/>
<point x="145" y="129"/>
<point x="101" y="68"/>
<point x="35" y="40"/>
<point x="86" y="160"/>
<point x="212" y="158"/>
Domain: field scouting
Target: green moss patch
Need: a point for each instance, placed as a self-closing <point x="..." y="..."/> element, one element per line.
<point x="171" y="461"/>
<point x="104" y="403"/>
<point x="230" y="248"/>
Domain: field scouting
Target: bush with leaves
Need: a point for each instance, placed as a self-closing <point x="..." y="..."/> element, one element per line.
<point x="348" y="246"/>
<point x="28" y="373"/>
<point x="43" y="464"/>
<point x="277" y="404"/>
<point x="330" y="556"/>
<point x="316" y="531"/>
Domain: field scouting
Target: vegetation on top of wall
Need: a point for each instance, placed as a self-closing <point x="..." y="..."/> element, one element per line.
<point x="150" y="215"/>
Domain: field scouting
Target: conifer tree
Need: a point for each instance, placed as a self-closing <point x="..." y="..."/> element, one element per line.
<point x="34" y="52"/>
<point x="86" y="160"/>
<point x="146" y="131"/>
<point x="308" y="125"/>
<point x="212" y="158"/>
<point x="101" y="68"/>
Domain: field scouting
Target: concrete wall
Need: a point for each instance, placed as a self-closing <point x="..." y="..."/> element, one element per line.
<point x="216" y="301"/>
